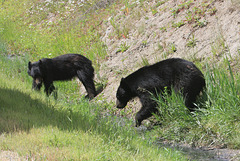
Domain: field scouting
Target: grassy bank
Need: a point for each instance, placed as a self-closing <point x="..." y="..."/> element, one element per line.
<point x="49" y="28"/>
<point x="71" y="128"/>
<point x="41" y="128"/>
<point x="215" y="123"/>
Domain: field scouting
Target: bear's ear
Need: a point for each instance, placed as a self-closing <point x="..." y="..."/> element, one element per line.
<point x="40" y="62"/>
<point x="123" y="83"/>
<point x="29" y="65"/>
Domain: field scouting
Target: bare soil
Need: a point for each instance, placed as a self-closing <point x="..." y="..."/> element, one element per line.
<point x="147" y="40"/>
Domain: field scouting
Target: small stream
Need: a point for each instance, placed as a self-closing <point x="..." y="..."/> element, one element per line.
<point x="194" y="154"/>
<point x="205" y="154"/>
<point x="200" y="154"/>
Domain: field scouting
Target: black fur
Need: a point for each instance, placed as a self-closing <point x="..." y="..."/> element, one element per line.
<point x="64" y="67"/>
<point x="181" y="75"/>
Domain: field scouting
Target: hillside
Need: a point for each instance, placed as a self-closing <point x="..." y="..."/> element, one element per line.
<point x="152" y="31"/>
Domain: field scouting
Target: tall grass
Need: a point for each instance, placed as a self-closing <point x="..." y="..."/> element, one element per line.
<point x="215" y="122"/>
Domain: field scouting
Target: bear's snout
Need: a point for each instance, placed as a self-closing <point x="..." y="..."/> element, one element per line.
<point x="38" y="81"/>
<point x="120" y="104"/>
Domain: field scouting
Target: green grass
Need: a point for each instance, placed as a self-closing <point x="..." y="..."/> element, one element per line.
<point x="70" y="128"/>
<point x="123" y="47"/>
<point x="30" y="30"/>
<point x="215" y="123"/>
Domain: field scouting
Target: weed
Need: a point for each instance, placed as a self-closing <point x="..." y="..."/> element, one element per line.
<point x="167" y="49"/>
<point x="171" y="106"/>
<point x="160" y="47"/>
<point x="136" y="15"/>
<point x="191" y="18"/>
<point x="144" y="43"/>
<point x="163" y="29"/>
<point x="120" y="32"/>
<point x="212" y="11"/>
<point x="123" y="47"/>
<point x="200" y="23"/>
<point x="181" y="7"/>
<point x="159" y="3"/>
<point x="172" y="48"/>
<point x="154" y="11"/>
<point x="112" y="22"/>
<point x="125" y="31"/>
<point x="219" y="47"/>
<point x="178" y="24"/>
<point x="194" y="14"/>
<point x="198" y="11"/>
<point x="145" y="62"/>
<point x="175" y="11"/>
<point x="126" y="9"/>
<point x="192" y="43"/>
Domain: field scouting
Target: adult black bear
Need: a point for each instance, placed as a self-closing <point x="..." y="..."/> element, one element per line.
<point x="178" y="74"/>
<point x="63" y="67"/>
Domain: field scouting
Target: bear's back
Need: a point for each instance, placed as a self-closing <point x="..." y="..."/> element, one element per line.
<point x="163" y="73"/>
<point x="72" y="58"/>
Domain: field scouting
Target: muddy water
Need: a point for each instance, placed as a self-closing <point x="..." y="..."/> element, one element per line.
<point x="205" y="154"/>
<point x="193" y="154"/>
<point x="201" y="154"/>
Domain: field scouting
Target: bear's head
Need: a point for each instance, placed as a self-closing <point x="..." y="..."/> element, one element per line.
<point x="34" y="70"/>
<point x="123" y="95"/>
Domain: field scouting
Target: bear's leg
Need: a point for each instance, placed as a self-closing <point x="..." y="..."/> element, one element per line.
<point x="36" y="86"/>
<point x="192" y="90"/>
<point x="190" y="95"/>
<point x="147" y="110"/>
<point x="144" y="113"/>
<point x="88" y="83"/>
<point x="49" y="87"/>
<point x="190" y="101"/>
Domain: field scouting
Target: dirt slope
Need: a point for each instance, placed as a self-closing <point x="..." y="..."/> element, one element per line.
<point x="152" y="31"/>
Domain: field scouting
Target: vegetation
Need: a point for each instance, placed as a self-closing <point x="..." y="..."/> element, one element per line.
<point x="70" y="128"/>
<point x="193" y="15"/>
<point x="123" y="47"/>
<point x="192" y="43"/>
<point x="47" y="29"/>
<point x="216" y="121"/>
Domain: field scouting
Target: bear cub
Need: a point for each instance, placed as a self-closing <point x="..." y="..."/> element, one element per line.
<point x="60" y="68"/>
<point x="175" y="73"/>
